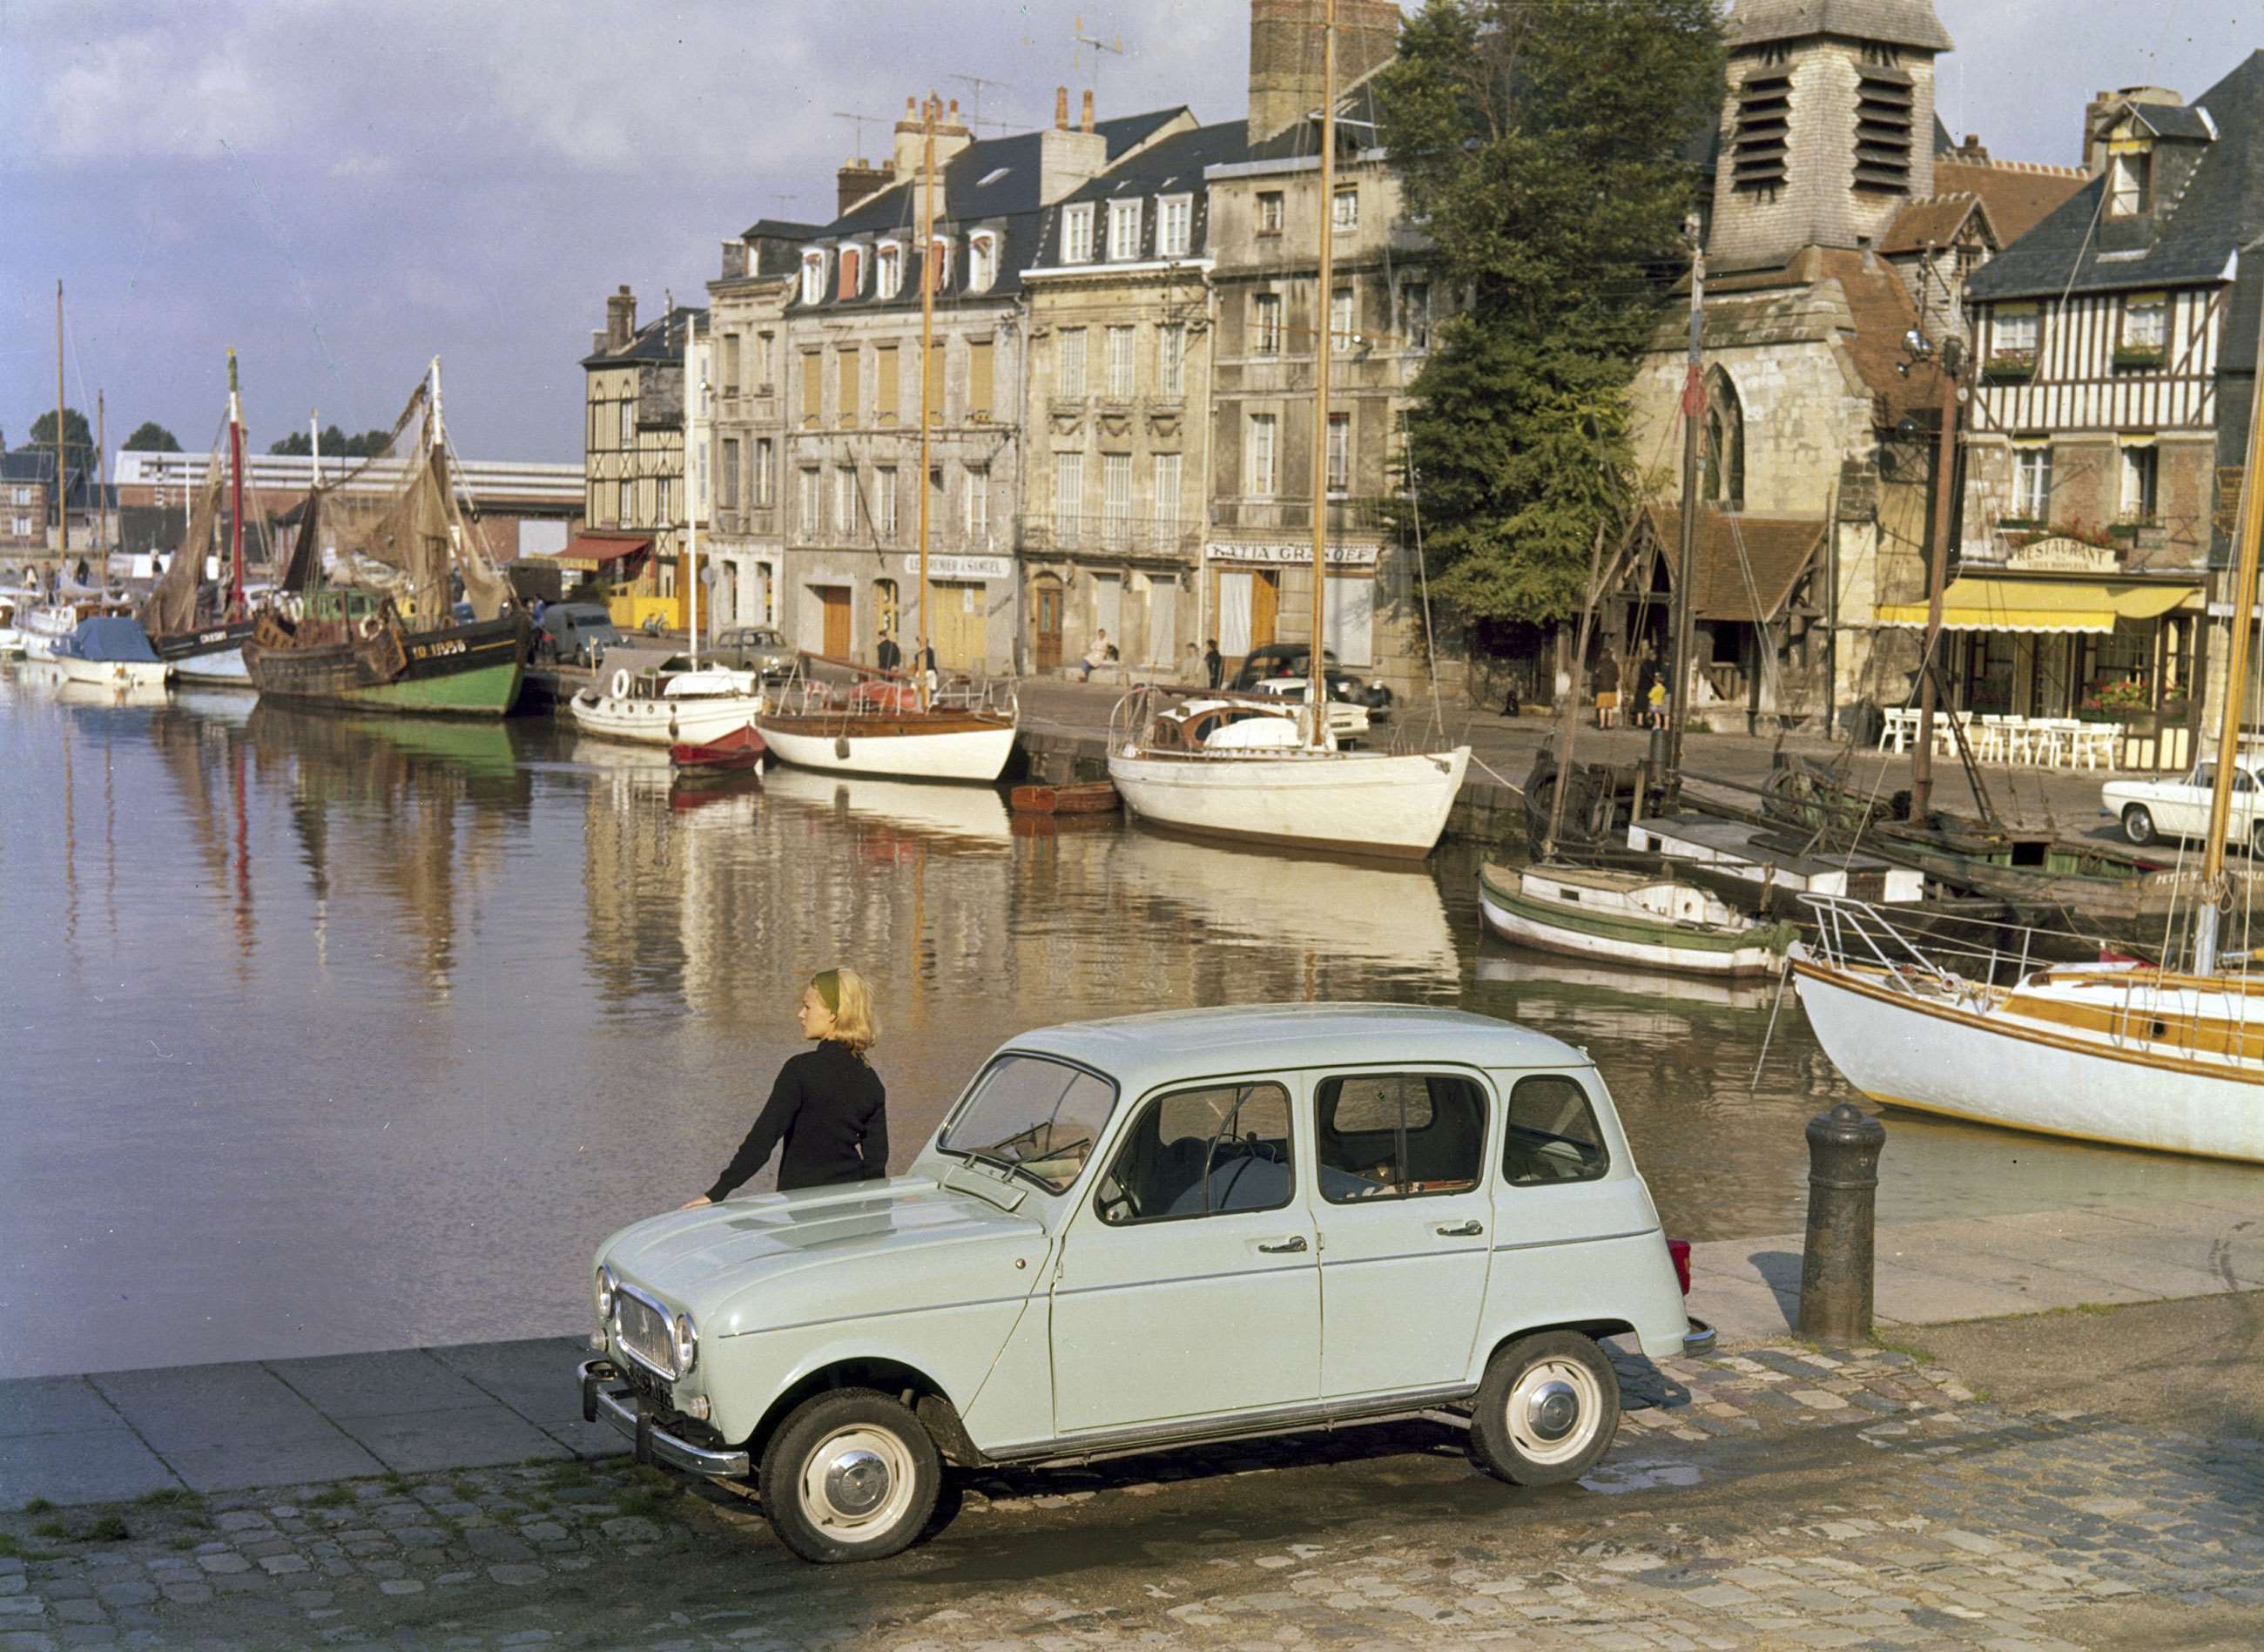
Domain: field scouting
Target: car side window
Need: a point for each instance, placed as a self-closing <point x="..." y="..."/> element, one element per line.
<point x="1553" y="1133"/>
<point x="1398" y="1135"/>
<point x="1201" y="1152"/>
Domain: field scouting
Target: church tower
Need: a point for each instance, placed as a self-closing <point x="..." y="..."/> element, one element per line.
<point x="1828" y="127"/>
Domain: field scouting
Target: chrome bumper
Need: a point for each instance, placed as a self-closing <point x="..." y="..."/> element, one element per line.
<point x="1698" y="1339"/>
<point x="627" y="1411"/>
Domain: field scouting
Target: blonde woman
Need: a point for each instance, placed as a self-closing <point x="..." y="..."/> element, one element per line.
<point x="827" y="1112"/>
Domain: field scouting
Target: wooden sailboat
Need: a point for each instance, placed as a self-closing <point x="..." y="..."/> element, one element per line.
<point x="380" y="632"/>
<point x="886" y="725"/>
<point x="1641" y="920"/>
<point x="1225" y="768"/>
<point x="204" y="642"/>
<point x="2139" y="1055"/>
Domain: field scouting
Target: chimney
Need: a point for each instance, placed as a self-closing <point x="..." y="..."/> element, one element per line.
<point x="1068" y="158"/>
<point x="621" y="319"/>
<point x="857" y="180"/>
<point x="1285" y="56"/>
<point x="1087" y="125"/>
<point x="1971" y="150"/>
<point x="1060" y="108"/>
<point x="950" y="136"/>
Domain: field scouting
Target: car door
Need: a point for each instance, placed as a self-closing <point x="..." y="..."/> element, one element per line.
<point x="1404" y="1214"/>
<point x="1188" y="1285"/>
<point x="2184" y="811"/>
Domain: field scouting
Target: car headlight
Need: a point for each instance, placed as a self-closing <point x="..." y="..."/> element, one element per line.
<point x="605" y="1298"/>
<point x="688" y="1345"/>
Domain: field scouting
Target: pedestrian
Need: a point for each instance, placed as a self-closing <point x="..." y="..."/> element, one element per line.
<point x="1214" y="663"/>
<point x="889" y="656"/>
<point x="1646" y="673"/>
<point x="827" y="1115"/>
<point x="1191" y="667"/>
<point x="1607" y="689"/>
<point x="1095" y="657"/>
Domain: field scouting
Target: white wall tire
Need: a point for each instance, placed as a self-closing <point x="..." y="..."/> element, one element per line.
<point x="850" y="1475"/>
<point x="2138" y="824"/>
<point x="1547" y="1410"/>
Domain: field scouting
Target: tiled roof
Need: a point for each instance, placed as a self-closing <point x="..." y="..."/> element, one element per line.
<point x="2018" y="196"/>
<point x="1883" y="313"/>
<point x="1935" y="221"/>
<point x="1895" y="22"/>
<point x="1773" y="550"/>
<point x="2196" y="234"/>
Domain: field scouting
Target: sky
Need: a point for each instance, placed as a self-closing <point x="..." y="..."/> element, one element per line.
<point x="341" y="192"/>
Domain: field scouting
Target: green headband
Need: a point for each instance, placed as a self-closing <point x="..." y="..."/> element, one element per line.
<point x="829" y="989"/>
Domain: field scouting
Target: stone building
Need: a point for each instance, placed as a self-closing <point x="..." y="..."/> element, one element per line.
<point x="634" y="457"/>
<point x="850" y="352"/>
<point x="2116" y="348"/>
<point x="1272" y="319"/>
<point x="746" y="518"/>
<point x="1121" y="330"/>
<point x="1841" y="219"/>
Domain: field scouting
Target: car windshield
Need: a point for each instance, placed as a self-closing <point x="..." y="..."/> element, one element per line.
<point x="1034" y="1117"/>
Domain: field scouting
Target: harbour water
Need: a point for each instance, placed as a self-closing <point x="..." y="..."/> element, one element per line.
<point x="325" y="1035"/>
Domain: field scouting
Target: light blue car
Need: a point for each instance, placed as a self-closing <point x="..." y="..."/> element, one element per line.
<point x="1151" y="1232"/>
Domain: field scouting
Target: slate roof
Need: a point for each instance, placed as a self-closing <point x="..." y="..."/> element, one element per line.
<point x="1895" y="22"/>
<point x="779" y="230"/>
<point x="659" y="339"/>
<point x="2220" y="210"/>
<point x="996" y="177"/>
<point x="1777" y="551"/>
<point x="1170" y="166"/>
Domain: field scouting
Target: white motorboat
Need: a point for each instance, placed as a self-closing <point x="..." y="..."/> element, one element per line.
<point x="1244" y="768"/>
<point x="11" y="640"/>
<point x="670" y="705"/>
<point x="48" y="626"/>
<point x="111" y="652"/>
<point x="1639" y="918"/>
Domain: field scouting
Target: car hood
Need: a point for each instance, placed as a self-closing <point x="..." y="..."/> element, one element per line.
<point x="701" y="1259"/>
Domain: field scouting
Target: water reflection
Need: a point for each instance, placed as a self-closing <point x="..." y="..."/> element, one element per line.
<point x="375" y="1027"/>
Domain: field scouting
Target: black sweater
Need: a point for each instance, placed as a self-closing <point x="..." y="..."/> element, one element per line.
<point x="830" y="1110"/>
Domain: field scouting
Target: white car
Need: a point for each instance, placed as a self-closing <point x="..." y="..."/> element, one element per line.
<point x="2151" y="810"/>
<point x="1158" y="1231"/>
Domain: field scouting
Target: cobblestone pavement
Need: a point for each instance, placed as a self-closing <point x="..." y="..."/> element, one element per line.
<point x="1781" y="1496"/>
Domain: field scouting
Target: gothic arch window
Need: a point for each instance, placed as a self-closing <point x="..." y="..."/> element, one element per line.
<point x="1724" y="451"/>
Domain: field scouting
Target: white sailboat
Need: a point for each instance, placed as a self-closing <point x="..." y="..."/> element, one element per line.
<point x="1225" y="768"/>
<point x="886" y="725"/>
<point x="2133" y="1054"/>
<point x="11" y="640"/>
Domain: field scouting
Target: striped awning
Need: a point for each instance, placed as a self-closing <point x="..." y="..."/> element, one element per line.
<point x="589" y="553"/>
<point x="2043" y="605"/>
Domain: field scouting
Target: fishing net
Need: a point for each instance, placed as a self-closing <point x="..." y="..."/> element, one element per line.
<point x="171" y="604"/>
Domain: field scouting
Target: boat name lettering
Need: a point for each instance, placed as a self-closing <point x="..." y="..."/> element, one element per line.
<point x="436" y="651"/>
<point x="212" y="637"/>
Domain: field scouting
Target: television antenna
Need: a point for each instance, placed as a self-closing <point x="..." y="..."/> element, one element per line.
<point x="1094" y="43"/>
<point x="861" y="121"/>
<point x="975" y="83"/>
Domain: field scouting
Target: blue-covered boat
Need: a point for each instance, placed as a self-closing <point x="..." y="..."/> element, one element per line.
<point x="112" y="652"/>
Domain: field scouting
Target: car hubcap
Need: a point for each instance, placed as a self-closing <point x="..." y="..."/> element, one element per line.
<point x="1553" y="1411"/>
<point x="857" y="1484"/>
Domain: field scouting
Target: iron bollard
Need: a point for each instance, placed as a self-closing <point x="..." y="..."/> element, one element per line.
<point x="1836" y="1265"/>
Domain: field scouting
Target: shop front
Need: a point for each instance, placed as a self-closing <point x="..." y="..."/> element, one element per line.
<point x="1256" y="593"/>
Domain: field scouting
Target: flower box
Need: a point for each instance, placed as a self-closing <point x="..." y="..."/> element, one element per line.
<point x="2139" y="358"/>
<point x="2010" y="369"/>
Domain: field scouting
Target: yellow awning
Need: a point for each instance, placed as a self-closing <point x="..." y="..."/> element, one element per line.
<point x="2041" y="605"/>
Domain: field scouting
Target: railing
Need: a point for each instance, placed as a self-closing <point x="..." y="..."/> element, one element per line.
<point x="1127" y="535"/>
<point x="874" y="693"/>
<point x="1346" y="516"/>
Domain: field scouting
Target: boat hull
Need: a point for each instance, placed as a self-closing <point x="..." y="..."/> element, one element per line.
<point x="656" y="720"/>
<point x="121" y="674"/>
<point x="1626" y="941"/>
<point x="1367" y="803"/>
<point x="1951" y="1058"/>
<point x="213" y="654"/>
<point x="471" y="670"/>
<point x="940" y="746"/>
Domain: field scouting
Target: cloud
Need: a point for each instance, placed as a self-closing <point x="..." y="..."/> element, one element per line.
<point x="142" y="96"/>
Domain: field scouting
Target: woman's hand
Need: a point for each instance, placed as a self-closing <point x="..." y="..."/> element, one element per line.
<point x="693" y="1205"/>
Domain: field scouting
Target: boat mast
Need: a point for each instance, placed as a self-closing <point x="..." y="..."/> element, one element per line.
<point x="693" y="386"/>
<point x="314" y="443"/>
<point x="1683" y="691"/>
<point x="927" y="373"/>
<point x="101" y="473"/>
<point x="2236" y="689"/>
<point x="235" y="494"/>
<point x="1323" y="345"/>
<point x="62" y="494"/>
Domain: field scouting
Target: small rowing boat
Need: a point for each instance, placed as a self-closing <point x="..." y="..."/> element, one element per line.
<point x="739" y="752"/>
<point x="1092" y="796"/>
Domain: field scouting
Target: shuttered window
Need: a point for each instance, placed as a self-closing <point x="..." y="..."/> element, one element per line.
<point x="1069" y="361"/>
<point x="813" y="389"/>
<point x="978" y="379"/>
<point x="888" y="384"/>
<point x="848" y="360"/>
<point x="1069" y="485"/>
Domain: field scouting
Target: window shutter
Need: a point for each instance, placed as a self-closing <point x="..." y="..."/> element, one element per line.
<point x="813" y="388"/>
<point x="888" y="383"/>
<point x="848" y="360"/>
<point x="978" y="379"/>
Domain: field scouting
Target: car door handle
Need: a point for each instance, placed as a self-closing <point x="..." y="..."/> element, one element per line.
<point x="1286" y="1247"/>
<point x="1471" y="1229"/>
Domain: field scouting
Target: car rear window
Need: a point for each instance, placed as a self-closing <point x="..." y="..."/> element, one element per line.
<point x="1553" y="1134"/>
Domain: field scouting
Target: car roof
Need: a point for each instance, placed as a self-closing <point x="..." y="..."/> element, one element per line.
<point x="1143" y="1051"/>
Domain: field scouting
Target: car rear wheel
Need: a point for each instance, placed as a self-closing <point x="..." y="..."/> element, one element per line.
<point x="851" y="1475"/>
<point x="1547" y="1410"/>
<point x="2138" y="824"/>
<point x="2256" y="842"/>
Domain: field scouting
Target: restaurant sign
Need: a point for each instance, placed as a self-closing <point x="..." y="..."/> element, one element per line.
<point x="2062" y="555"/>
<point x="962" y="567"/>
<point x="1339" y="556"/>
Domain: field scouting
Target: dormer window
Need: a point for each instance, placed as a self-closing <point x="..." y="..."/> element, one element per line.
<point x="852" y="271"/>
<point x="939" y="263"/>
<point x="1123" y="230"/>
<point x="982" y="261"/>
<point x="1077" y="234"/>
<point x="813" y="276"/>
<point x="889" y="270"/>
<point x="2129" y="184"/>
<point x="1175" y="216"/>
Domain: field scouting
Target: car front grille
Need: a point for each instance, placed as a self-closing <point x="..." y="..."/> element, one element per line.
<point x="644" y="1333"/>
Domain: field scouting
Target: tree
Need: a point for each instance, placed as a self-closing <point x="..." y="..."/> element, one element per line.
<point x="78" y="439"/>
<point x="1542" y="151"/>
<point x="336" y="444"/>
<point x="149" y="436"/>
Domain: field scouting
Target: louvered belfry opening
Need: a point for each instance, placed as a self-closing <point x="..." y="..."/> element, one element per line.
<point x="1764" y="132"/>
<point x="1885" y="100"/>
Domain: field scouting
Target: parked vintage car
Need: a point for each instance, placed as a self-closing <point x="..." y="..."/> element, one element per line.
<point x="1286" y="668"/>
<point x="761" y="649"/>
<point x="578" y="633"/>
<point x="1151" y="1232"/>
<point x="2152" y="809"/>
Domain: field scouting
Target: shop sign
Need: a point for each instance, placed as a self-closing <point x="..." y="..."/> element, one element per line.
<point x="962" y="567"/>
<point x="1339" y="556"/>
<point x="2063" y="555"/>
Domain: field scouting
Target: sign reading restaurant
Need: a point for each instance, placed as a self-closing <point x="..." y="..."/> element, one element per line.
<point x="962" y="567"/>
<point x="1339" y="556"/>
<point x="2062" y="555"/>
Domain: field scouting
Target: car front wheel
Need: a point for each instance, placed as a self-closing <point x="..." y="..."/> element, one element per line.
<point x="851" y="1475"/>
<point x="1547" y="1410"/>
<point x="2138" y="824"/>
